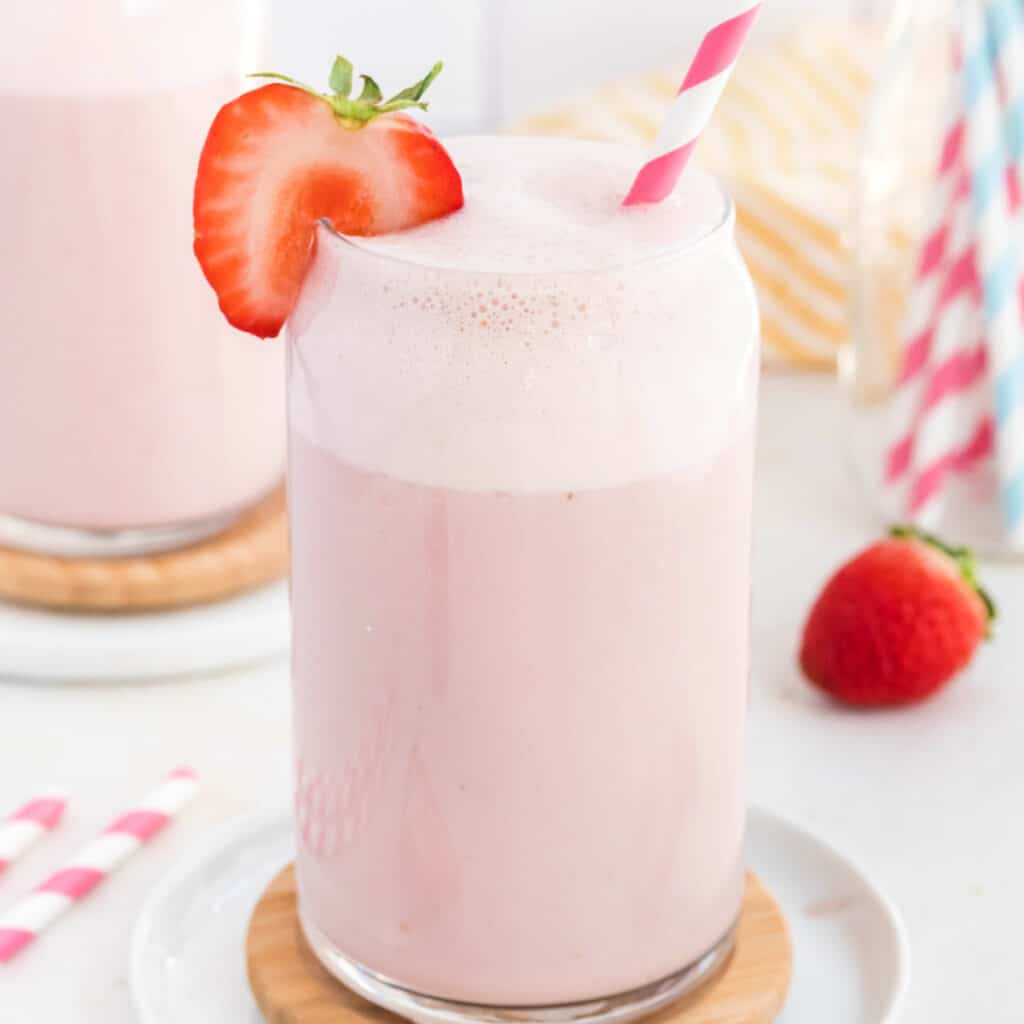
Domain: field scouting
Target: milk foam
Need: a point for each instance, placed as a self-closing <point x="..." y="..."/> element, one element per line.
<point x="543" y="205"/>
<point x="543" y="338"/>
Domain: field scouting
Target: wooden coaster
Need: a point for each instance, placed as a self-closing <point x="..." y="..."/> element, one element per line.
<point x="292" y="987"/>
<point x="251" y="552"/>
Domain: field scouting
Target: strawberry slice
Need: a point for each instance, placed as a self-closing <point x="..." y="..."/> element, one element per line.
<point x="283" y="156"/>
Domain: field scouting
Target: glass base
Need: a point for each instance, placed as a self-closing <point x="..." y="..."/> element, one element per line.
<point x="425" y="1009"/>
<point x="71" y="542"/>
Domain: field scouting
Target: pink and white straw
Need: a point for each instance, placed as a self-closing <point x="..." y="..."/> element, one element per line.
<point x="939" y="414"/>
<point x="28" y="824"/>
<point x="694" y="103"/>
<point x="61" y="891"/>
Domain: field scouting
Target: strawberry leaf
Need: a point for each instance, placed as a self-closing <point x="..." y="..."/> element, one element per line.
<point x="353" y="110"/>
<point x="369" y="104"/>
<point x="960" y="556"/>
<point x="412" y="95"/>
<point x="371" y="91"/>
<point x="284" y="78"/>
<point x="341" y="77"/>
<point x="391" y="105"/>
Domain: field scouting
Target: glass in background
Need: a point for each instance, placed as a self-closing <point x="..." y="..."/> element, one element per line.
<point x="899" y="151"/>
<point x="132" y="417"/>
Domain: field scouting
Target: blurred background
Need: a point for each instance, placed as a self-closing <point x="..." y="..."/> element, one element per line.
<point x="547" y="51"/>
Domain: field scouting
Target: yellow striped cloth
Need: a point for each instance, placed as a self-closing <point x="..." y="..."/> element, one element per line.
<point x="785" y="140"/>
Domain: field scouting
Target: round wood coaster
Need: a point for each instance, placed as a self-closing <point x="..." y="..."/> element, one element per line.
<point x="250" y="552"/>
<point x="292" y="987"/>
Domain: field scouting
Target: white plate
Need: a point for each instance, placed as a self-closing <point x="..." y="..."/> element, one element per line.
<point x="57" y="647"/>
<point x="851" y="960"/>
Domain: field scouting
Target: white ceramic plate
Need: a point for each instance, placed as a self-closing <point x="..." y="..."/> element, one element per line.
<point x="851" y="960"/>
<point x="45" y="646"/>
<point x="188" y="967"/>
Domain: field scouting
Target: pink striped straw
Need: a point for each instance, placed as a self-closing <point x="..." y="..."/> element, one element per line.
<point x="28" y="824"/>
<point x="694" y="103"/>
<point x="72" y="883"/>
<point x="940" y="413"/>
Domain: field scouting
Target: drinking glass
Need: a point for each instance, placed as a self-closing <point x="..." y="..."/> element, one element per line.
<point x="520" y="510"/>
<point x="133" y="418"/>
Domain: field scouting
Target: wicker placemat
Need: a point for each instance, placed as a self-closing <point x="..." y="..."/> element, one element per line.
<point x="251" y="552"/>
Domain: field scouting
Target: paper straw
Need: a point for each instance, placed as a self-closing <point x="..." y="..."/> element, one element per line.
<point x="993" y="91"/>
<point x="694" y="103"/>
<point x="27" y="825"/>
<point x="941" y="406"/>
<point x="945" y="380"/>
<point x="51" y="900"/>
<point x="931" y="307"/>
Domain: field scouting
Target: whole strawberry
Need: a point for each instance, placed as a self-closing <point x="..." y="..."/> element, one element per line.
<point x="896" y="623"/>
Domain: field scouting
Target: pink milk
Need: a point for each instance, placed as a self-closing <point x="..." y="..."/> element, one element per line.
<point x="127" y="400"/>
<point x="520" y="483"/>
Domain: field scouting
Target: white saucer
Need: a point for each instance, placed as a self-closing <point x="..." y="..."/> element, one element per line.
<point x="57" y="647"/>
<point x="188" y="967"/>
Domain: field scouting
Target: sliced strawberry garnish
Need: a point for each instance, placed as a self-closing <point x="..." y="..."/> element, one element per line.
<point x="280" y="158"/>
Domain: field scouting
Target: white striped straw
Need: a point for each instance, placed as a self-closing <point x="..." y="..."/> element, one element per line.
<point x="51" y="900"/>
<point x="28" y="824"/>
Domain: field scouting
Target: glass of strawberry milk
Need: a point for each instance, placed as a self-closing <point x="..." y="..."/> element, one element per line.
<point x="520" y="449"/>
<point x="133" y="417"/>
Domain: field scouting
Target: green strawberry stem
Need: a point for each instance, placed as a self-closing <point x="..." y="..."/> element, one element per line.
<point x="370" y="103"/>
<point x="963" y="558"/>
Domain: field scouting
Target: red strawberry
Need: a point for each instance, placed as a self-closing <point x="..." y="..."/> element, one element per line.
<point x="280" y="158"/>
<point x="896" y="623"/>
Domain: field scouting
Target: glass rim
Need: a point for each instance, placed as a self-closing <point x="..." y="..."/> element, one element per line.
<point x="723" y="224"/>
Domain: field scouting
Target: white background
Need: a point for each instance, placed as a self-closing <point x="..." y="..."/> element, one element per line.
<point x="539" y="50"/>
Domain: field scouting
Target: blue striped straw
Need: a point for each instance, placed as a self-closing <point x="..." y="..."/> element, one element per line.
<point x="994" y="101"/>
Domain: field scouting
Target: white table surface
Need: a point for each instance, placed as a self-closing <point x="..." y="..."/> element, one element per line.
<point x="927" y="800"/>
